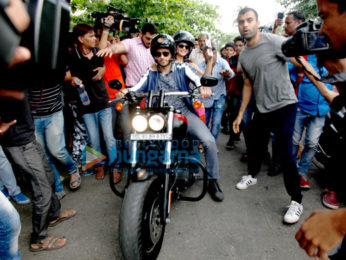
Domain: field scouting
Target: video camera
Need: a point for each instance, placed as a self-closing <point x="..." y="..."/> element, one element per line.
<point x="121" y="22"/>
<point x="45" y="36"/>
<point x="306" y="40"/>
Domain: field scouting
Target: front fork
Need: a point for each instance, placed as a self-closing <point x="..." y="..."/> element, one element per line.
<point x="167" y="162"/>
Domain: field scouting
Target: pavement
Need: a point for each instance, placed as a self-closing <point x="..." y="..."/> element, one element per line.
<point x="247" y="225"/>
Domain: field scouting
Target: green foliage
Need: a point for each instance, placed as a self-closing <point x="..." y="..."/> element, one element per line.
<point x="307" y="7"/>
<point x="172" y="15"/>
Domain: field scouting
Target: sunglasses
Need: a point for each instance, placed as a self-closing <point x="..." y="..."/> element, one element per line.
<point x="164" y="53"/>
<point x="183" y="46"/>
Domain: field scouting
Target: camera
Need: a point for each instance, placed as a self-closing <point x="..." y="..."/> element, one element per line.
<point x="45" y="36"/>
<point x="280" y="15"/>
<point x="121" y="22"/>
<point x="306" y="40"/>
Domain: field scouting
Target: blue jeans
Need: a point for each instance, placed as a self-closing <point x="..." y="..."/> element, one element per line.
<point x="9" y="230"/>
<point x="92" y="122"/>
<point x="314" y="126"/>
<point x="7" y="177"/>
<point x="217" y="111"/>
<point x="50" y="134"/>
<point x="196" y="128"/>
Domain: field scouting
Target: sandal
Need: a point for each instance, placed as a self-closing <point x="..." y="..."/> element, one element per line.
<point x="77" y="180"/>
<point x="49" y="243"/>
<point x="64" y="215"/>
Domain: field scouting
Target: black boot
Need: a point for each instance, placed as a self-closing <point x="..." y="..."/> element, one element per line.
<point x="214" y="190"/>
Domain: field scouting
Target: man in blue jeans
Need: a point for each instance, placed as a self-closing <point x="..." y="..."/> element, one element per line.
<point x="311" y="112"/>
<point x="46" y="108"/>
<point x="215" y="104"/>
<point x="312" y="107"/>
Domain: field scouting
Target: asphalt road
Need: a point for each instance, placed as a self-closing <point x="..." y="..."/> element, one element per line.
<point x="246" y="225"/>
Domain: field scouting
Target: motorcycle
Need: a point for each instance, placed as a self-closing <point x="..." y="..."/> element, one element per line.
<point x="162" y="164"/>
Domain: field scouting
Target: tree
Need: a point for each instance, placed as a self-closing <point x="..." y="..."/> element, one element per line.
<point x="172" y="15"/>
<point x="307" y="7"/>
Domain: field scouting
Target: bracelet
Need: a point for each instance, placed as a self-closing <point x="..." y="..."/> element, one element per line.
<point x="105" y="32"/>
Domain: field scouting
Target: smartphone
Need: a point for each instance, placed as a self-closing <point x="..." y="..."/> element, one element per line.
<point x="208" y="44"/>
<point x="280" y="15"/>
<point x="315" y="42"/>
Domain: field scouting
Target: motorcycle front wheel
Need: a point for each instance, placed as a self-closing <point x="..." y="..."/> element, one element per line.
<point x="140" y="229"/>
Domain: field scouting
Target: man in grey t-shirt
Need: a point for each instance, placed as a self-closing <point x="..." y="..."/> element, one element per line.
<point x="266" y="75"/>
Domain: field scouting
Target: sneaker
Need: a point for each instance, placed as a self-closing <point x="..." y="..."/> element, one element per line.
<point x="60" y="194"/>
<point x="329" y="199"/>
<point x="293" y="213"/>
<point x="304" y="182"/>
<point x="230" y="145"/>
<point x="4" y="191"/>
<point x="20" y="199"/>
<point x="245" y="182"/>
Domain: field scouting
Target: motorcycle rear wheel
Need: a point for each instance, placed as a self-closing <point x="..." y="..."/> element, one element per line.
<point x="140" y="232"/>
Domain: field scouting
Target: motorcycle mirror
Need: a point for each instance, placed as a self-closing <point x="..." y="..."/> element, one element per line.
<point x="115" y="84"/>
<point x="209" y="81"/>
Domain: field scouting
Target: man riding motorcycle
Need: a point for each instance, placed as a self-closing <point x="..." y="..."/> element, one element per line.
<point x="170" y="76"/>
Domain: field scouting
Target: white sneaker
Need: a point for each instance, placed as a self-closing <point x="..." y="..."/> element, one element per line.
<point x="245" y="182"/>
<point x="293" y="213"/>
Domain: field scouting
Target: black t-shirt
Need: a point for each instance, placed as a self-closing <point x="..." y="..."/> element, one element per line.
<point x="82" y="68"/>
<point x="21" y="133"/>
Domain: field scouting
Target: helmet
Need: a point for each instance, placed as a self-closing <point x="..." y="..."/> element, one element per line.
<point x="162" y="41"/>
<point x="184" y="36"/>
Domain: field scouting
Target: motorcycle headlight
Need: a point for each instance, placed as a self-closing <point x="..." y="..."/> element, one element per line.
<point x="156" y="122"/>
<point x="139" y="123"/>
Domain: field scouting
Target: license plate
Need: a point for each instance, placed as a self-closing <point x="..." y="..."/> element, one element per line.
<point x="151" y="136"/>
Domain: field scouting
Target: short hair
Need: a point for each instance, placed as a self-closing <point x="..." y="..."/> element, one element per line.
<point x="203" y="34"/>
<point x="150" y="28"/>
<point x="80" y="30"/>
<point x="297" y="16"/>
<point x="239" y="38"/>
<point x="247" y="9"/>
<point x="341" y="5"/>
<point x="230" y="44"/>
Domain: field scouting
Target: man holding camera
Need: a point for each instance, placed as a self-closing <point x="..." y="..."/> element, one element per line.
<point x="324" y="230"/>
<point x="311" y="112"/>
<point x="138" y="53"/>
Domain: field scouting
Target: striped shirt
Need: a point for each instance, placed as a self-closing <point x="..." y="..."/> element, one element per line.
<point x="44" y="102"/>
<point x="140" y="60"/>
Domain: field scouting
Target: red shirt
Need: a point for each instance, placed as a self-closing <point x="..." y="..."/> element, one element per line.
<point x="113" y="71"/>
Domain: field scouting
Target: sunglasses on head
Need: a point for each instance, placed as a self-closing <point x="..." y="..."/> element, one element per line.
<point x="183" y="46"/>
<point x="164" y="53"/>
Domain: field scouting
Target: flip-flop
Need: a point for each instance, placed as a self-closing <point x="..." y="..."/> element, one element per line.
<point x="49" y="243"/>
<point x="69" y="214"/>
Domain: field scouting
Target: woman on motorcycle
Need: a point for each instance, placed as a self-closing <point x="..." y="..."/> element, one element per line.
<point x="184" y="42"/>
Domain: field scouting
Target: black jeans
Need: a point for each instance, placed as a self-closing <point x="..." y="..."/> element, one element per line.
<point x="31" y="160"/>
<point x="281" y="123"/>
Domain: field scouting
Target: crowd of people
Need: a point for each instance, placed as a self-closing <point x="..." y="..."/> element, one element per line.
<point x="260" y="92"/>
